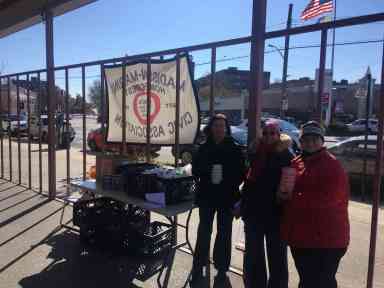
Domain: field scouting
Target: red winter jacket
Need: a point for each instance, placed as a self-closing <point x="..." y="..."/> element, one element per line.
<point x="317" y="214"/>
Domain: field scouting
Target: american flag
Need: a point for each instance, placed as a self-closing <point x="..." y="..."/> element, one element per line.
<point x="316" y="8"/>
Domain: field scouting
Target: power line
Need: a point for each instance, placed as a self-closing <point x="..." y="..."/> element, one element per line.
<point x="294" y="48"/>
<point x="227" y="59"/>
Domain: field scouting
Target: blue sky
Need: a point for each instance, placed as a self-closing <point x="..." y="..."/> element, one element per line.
<point x="112" y="28"/>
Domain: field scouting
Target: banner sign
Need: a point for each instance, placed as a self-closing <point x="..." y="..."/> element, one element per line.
<point x="163" y="102"/>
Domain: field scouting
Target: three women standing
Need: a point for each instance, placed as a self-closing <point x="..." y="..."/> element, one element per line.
<point x="312" y="219"/>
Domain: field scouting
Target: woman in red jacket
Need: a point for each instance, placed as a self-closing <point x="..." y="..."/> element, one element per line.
<point x="315" y="220"/>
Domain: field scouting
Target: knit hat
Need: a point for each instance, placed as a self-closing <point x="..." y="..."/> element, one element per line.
<point x="312" y="128"/>
<point x="272" y="125"/>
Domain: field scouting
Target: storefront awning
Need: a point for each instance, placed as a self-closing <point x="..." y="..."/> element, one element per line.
<point x="16" y="15"/>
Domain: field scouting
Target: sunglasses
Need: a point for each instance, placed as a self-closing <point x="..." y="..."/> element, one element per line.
<point x="265" y="133"/>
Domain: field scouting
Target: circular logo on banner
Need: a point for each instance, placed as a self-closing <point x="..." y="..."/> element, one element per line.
<point x="140" y="106"/>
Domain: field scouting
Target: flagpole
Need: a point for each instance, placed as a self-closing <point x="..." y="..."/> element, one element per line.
<point x="333" y="39"/>
<point x="332" y="64"/>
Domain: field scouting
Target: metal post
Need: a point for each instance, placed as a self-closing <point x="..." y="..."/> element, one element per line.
<point x="331" y="96"/>
<point x="39" y="123"/>
<point x="320" y="88"/>
<point x="177" y="116"/>
<point x="29" y="134"/>
<point x="148" y="132"/>
<point x="333" y="37"/>
<point x="68" y="156"/>
<point x="2" y="128"/>
<point x="257" y="67"/>
<point x="124" y="109"/>
<point x="18" y="127"/>
<point x="366" y="132"/>
<point x="377" y="183"/>
<point x="51" y="104"/>
<point x="103" y="102"/>
<point x="84" y="123"/>
<point x="177" y="133"/>
<point x="284" y="96"/>
<point x="212" y="83"/>
<point x="9" y="130"/>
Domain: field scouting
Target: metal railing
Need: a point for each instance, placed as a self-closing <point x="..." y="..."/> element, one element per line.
<point x="257" y="41"/>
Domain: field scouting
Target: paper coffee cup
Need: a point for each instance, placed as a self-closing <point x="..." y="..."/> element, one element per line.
<point x="288" y="179"/>
<point x="217" y="174"/>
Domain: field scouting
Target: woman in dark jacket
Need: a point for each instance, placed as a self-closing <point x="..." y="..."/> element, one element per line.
<point x="261" y="211"/>
<point x="315" y="222"/>
<point x="219" y="166"/>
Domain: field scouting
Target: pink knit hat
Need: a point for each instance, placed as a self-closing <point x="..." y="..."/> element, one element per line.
<point x="272" y="125"/>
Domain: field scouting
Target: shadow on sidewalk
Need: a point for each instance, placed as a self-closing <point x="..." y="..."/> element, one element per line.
<point x="73" y="265"/>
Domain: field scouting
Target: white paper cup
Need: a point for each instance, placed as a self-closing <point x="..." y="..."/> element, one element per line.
<point x="217" y="174"/>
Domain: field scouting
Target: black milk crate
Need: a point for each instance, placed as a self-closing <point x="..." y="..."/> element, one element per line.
<point x="137" y="219"/>
<point x="179" y="189"/>
<point x="147" y="267"/>
<point x="146" y="183"/>
<point x="98" y="211"/>
<point x="106" y="223"/>
<point x="108" y="237"/>
<point x="154" y="241"/>
<point x="113" y="182"/>
<point x="129" y="173"/>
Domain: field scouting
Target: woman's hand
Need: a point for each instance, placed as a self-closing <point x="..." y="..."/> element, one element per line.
<point x="283" y="196"/>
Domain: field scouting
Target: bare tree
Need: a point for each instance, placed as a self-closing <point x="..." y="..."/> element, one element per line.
<point x="94" y="94"/>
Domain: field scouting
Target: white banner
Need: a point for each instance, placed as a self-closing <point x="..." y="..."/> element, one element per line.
<point x="163" y="103"/>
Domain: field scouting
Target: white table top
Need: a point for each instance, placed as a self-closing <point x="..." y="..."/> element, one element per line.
<point x="168" y="211"/>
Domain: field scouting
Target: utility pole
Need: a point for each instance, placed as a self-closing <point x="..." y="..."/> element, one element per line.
<point x="284" y="95"/>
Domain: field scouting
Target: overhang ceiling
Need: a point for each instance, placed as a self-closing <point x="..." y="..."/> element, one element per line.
<point x="16" y="15"/>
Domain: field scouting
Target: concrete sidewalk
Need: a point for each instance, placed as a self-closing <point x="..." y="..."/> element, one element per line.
<point x="33" y="254"/>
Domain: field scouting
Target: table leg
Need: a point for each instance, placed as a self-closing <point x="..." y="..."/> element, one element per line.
<point x="187" y="232"/>
<point x="170" y="257"/>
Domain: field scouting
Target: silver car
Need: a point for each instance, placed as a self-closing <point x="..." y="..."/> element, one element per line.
<point x="285" y="127"/>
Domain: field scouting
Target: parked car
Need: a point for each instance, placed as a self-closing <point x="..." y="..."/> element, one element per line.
<point x="351" y="153"/>
<point x="341" y="119"/>
<point x="187" y="151"/>
<point x="13" y="125"/>
<point x="95" y="144"/>
<point x="205" y="120"/>
<point x="359" y="126"/>
<point x="10" y="123"/>
<point x="285" y="127"/>
<point x="35" y="123"/>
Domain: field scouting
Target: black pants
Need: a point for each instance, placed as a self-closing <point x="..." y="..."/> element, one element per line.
<point x="255" y="271"/>
<point x="223" y="243"/>
<point x="317" y="267"/>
